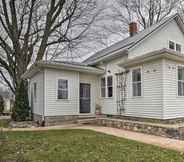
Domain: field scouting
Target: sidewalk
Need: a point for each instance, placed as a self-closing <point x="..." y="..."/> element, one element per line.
<point x="169" y="143"/>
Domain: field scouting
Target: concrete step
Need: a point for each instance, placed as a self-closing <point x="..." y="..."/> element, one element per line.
<point x="87" y="117"/>
<point x="86" y="121"/>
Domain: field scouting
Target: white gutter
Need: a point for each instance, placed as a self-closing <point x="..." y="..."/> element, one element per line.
<point x="63" y="66"/>
<point x="163" y="53"/>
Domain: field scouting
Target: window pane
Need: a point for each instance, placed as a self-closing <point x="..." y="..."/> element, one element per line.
<point x="136" y="75"/>
<point x="179" y="89"/>
<point x="178" y="47"/>
<point x="134" y="89"/>
<point x="62" y="84"/>
<point x="103" y="92"/>
<point x="62" y="89"/>
<point x="109" y="86"/>
<point x="171" y="45"/>
<point x="109" y="91"/>
<point x="181" y="73"/>
<point x="138" y="89"/>
<point x="103" y="82"/>
<point x="109" y="81"/>
<point x="62" y="94"/>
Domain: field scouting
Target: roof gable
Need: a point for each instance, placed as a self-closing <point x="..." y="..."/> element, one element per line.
<point x="130" y="42"/>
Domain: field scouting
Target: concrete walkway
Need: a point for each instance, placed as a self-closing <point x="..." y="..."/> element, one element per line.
<point x="169" y="143"/>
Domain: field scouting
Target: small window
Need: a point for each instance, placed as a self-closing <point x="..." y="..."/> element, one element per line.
<point x="35" y="91"/>
<point x="109" y="86"/>
<point x="172" y="45"/>
<point x="136" y="82"/>
<point x="62" y="92"/>
<point x="180" y="81"/>
<point x="103" y="87"/>
<point x="178" y="47"/>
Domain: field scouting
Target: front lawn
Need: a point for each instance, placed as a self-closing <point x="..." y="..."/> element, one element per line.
<point x="81" y="146"/>
<point x="4" y="123"/>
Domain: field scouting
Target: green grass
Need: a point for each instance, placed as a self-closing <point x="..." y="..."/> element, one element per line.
<point x="81" y="146"/>
<point x="4" y="123"/>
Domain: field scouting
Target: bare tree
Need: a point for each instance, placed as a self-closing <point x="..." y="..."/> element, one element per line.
<point x="29" y="28"/>
<point x="145" y="12"/>
<point x="181" y="8"/>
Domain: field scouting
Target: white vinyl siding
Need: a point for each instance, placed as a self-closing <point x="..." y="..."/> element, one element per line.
<point x="159" y="40"/>
<point x="173" y="104"/>
<point x="70" y="106"/>
<point x="150" y="104"/>
<point x="108" y="104"/>
<point x="54" y="106"/>
<point x="37" y="83"/>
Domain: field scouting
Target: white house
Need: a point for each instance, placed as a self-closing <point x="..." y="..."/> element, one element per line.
<point x="141" y="76"/>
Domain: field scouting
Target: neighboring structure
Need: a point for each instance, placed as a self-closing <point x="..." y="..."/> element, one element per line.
<point x="8" y="99"/>
<point x="141" y="76"/>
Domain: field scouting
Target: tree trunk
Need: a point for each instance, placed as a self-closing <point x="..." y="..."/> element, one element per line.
<point x="21" y="109"/>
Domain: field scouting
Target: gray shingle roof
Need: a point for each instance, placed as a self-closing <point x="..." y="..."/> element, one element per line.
<point x="129" y="42"/>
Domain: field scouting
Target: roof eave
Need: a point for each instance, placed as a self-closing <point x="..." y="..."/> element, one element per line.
<point x="163" y="53"/>
<point x="41" y="65"/>
<point x="113" y="55"/>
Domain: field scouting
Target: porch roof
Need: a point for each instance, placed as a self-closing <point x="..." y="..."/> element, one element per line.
<point x="70" y="66"/>
<point x="159" y="54"/>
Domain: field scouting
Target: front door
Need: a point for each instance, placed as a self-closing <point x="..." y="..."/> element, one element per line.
<point x="85" y="98"/>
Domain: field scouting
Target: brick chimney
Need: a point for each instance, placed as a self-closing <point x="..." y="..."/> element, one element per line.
<point x="132" y="29"/>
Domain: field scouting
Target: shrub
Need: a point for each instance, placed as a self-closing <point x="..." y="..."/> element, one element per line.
<point x="21" y="107"/>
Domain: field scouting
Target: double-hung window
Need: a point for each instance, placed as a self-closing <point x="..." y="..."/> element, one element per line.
<point x="171" y="45"/>
<point x="103" y="87"/>
<point x="178" y="47"/>
<point x="109" y="86"/>
<point x="175" y="46"/>
<point x="180" y="81"/>
<point x="136" y="82"/>
<point x="62" y="91"/>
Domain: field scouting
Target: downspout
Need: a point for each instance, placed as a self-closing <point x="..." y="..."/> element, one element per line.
<point x="43" y="113"/>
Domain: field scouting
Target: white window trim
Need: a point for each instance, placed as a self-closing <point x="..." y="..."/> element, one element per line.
<point x="174" y="45"/>
<point x="179" y="45"/>
<point x="63" y="78"/>
<point x="137" y="67"/>
<point x="177" y="79"/>
<point x="106" y="87"/>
